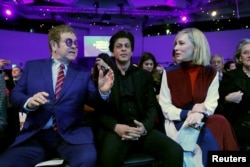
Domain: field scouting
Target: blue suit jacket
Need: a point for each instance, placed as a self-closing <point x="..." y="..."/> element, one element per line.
<point x="78" y="89"/>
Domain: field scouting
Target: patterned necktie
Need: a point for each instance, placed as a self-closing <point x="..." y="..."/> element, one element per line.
<point x="59" y="83"/>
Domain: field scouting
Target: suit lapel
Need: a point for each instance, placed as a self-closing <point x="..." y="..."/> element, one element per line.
<point x="47" y="75"/>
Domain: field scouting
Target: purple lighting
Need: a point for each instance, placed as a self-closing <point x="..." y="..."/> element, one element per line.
<point x="8" y="12"/>
<point x="184" y="19"/>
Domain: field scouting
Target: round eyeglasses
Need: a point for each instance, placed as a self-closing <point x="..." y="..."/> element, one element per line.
<point x="69" y="42"/>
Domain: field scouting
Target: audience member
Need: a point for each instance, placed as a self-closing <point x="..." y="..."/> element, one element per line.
<point x="188" y="98"/>
<point x="174" y="58"/>
<point x="217" y="61"/>
<point x="5" y="76"/>
<point x="148" y="62"/>
<point x="103" y="62"/>
<point x="229" y="65"/>
<point x="159" y="69"/>
<point x="55" y="123"/>
<point x="10" y="119"/>
<point x="15" y="122"/>
<point x="3" y="107"/>
<point x="16" y="73"/>
<point x="234" y="93"/>
<point x="126" y="124"/>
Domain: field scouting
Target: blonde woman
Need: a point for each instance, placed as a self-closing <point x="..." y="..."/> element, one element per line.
<point x="188" y="97"/>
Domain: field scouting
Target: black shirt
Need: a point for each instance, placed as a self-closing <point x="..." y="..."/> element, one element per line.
<point x="127" y="98"/>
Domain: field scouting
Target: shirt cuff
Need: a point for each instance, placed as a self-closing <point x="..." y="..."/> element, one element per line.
<point x="25" y="106"/>
<point x="106" y="95"/>
<point x="184" y="114"/>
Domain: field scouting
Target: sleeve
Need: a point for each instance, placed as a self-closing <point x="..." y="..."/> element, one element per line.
<point x="3" y="106"/>
<point x="212" y="97"/>
<point x="228" y="85"/>
<point x="170" y="112"/>
<point x="18" y="95"/>
<point x="151" y="104"/>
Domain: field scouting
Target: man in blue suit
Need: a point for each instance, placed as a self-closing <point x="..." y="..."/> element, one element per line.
<point x="72" y="139"/>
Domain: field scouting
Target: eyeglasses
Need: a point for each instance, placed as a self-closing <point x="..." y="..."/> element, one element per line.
<point x="69" y="42"/>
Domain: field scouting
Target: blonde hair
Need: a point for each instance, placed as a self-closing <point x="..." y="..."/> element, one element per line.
<point x="201" y="54"/>
<point x="55" y="33"/>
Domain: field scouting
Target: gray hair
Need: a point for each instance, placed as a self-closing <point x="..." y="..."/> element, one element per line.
<point x="238" y="50"/>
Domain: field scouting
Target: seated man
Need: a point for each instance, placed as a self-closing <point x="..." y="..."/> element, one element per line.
<point x="126" y="124"/>
<point x="16" y="73"/>
<point x="52" y="92"/>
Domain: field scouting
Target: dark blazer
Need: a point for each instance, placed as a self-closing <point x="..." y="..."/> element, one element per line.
<point x="10" y="84"/>
<point x="233" y="81"/>
<point x="3" y="106"/>
<point x="144" y="98"/>
<point x="77" y="90"/>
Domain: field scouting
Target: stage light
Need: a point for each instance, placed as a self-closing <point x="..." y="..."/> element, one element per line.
<point x="8" y="12"/>
<point x="214" y="13"/>
<point x="184" y="19"/>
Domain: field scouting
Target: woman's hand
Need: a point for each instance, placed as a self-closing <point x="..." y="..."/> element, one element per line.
<point x="234" y="97"/>
<point x="199" y="107"/>
<point x="194" y="118"/>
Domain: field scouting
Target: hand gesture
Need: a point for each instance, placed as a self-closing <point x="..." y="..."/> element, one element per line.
<point x="4" y="62"/>
<point x="105" y="82"/>
<point x="38" y="99"/>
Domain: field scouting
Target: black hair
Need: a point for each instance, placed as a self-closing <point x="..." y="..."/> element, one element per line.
<point x="227" y="65"/>
<point x="107" y="59"/>
<point x="121" y="34"/>
<point x="146" y="56"/>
